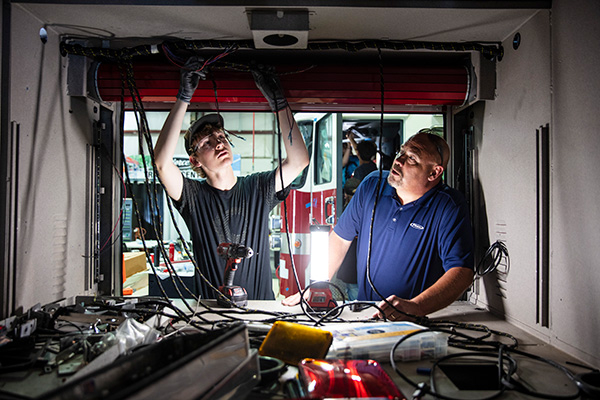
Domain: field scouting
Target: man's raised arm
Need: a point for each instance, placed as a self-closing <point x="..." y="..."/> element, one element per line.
<point x="297" y="154"/>
<point x="164" y="150"/>
<point x="168" y="172"/>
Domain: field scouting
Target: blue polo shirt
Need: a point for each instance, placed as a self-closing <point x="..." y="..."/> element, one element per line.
<point x="413" y="244"/>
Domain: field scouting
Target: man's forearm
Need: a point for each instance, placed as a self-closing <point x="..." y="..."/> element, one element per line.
<point x="164" y="150"/>
<point x="443" y="292"/>
<point x="296" y="154"/>
<point x="169" y="134"/>
<point x="295" y="148"/>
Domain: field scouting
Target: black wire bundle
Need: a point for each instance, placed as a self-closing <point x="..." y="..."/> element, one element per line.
<point x="489" y="50"/>
<point x="492" y="259"/>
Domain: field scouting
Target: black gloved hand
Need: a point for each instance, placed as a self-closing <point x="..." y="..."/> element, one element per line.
<point x="190" y="76"/>
<point x="269" y="85"/>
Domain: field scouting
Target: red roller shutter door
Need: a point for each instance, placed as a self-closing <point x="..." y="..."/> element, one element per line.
<point x="316" y="87"/>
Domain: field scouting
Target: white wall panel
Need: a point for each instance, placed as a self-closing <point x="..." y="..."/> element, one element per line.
<point x="552" y="78"/>
<point x="575" y="273"/>
<point x="54" y="131"/>
<point x="507" y="163"/>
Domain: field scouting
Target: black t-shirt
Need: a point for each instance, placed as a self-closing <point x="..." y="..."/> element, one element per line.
<point x="363" y="170"/>
<point x="240" y="216"/>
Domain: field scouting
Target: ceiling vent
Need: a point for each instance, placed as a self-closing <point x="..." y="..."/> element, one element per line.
<point x="279" y="29"/>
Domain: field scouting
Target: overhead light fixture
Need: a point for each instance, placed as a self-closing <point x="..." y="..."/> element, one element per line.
<point x="279" y="29"/>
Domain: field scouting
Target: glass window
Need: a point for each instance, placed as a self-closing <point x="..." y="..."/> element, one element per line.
<point x="324" y="151"/>
<point x="306" y="128"/>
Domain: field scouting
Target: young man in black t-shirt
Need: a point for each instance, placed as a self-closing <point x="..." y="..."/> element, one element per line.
<point x="223" y="207"/>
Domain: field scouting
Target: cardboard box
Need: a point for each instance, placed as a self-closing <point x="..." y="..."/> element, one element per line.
<point x="133" y="262"/>
<point x="173" y="286"/>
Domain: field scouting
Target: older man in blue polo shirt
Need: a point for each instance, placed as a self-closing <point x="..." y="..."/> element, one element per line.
<point x="422" y="247"/>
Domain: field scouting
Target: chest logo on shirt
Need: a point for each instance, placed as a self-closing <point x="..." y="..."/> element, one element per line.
<point x="416" y="226"/>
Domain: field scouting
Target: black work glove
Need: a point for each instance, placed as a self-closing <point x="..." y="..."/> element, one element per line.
<point x="269" y="85"/>
<point x="190" y="76"/>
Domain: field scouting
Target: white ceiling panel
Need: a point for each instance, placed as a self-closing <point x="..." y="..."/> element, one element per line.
<point x="151" y="23"/>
